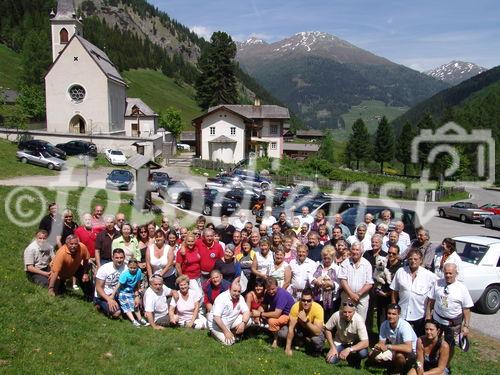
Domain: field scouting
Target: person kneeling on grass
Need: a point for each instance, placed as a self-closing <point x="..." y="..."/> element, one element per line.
<point x="351" y="337"/>
<point x="106" y="280"/>
<point x="156" y="300"/>
<point x="185" y="306"/>
<point x="128" y="293"/>
<point x="231" y="316"/>
<point x="306" y="323"/>
<point x="397" y="343"/>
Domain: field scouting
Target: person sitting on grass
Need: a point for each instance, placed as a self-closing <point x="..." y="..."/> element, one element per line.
<point x="277" y="305"/>
<point x="254" y="301"/>
<point x="184" y="308"/>
<point x="231" y="316"/>
<point x="306" y="323"/>
<point x="433" y="352"/>
<point x="128" y="293"/>
<point x="214" y="286"/>
<point x="351" y="336"/>
<point x="37" y="258"/>
<point x="397" y="343"/>
<point x="106" y="280"/>
<point x="156" y="300"/>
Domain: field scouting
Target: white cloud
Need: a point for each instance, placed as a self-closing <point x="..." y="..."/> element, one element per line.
<point x="203" y="31"/>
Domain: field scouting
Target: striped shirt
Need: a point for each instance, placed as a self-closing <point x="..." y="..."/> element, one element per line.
<point x="357" y="275"/>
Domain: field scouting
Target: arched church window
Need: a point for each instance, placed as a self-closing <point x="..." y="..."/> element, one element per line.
<point x="63" y="36"/>
<point x="76" y="93"/>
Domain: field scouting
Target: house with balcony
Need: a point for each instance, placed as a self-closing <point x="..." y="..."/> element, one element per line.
<point x="232" y="132"/>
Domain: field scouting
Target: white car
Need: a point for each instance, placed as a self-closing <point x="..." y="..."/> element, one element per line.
<point x="115" y="157"/>
<point x="183" y="147"/>
<point x="481" y="267"/>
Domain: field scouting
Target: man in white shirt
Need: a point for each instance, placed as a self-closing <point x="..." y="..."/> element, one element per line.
<point x="106" y="280"/>
<point x="302" y="270"/>
<point x="411" y="287"/>
<point x="306" y="217"/>
<point x="356" y="279"/>
<point x="156" y="302"/>
<point x="230" y="315"/>
<point x="393" y="239"/>
<point x="361" y="236"/>
<point x="240" y="221"/>
<point x="404" y="238"/>
<point x="449" y="305"/>
<point x="37" y="258"/>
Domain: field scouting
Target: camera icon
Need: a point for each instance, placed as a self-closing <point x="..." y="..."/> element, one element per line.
<point x="442" y="141"/>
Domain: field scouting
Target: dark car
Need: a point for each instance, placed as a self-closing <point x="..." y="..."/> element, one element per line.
<point x="120" y="179"/>
<point x="39" y="145"/>
<point x="249" y="178"/>
<point x="245" y="197"/>
<point x="171" y="190"/>
<point x="158" y="179"/>
<point x="72" y="148"/>
<point x="209" y="202"/>
<point x="330" y="205"/>
<point x="354" y="216"/>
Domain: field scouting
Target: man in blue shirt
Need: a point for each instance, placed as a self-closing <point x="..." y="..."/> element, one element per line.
<point x="397" y="343"/>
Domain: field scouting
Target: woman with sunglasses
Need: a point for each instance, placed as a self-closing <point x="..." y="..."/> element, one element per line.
<point x="385" y="291"/>
<point x="433" y="352"/>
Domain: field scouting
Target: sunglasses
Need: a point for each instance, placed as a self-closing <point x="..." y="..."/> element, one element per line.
<point x="306" y="300"/>
<point x="350" y="304"/>
<point x="391" y="253"/>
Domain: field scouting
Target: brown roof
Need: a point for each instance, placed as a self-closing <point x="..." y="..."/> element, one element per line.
<point x="310" y="147"/>
<point x="143" y="107"/>
<point x="310" y="133"/>
<point x="255" y="112"/>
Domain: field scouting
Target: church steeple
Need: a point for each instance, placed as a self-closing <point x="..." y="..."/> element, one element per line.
<point x="64" y="24"/>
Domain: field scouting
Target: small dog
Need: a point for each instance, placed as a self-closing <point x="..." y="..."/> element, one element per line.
<point x="381" y="274"/>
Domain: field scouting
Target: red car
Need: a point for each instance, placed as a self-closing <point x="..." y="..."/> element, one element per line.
<point x="495" y="208"/>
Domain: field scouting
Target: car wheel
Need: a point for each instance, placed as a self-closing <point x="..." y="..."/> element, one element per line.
<point x="463" y="218"/>
<point x="183" y="204"/>
<point x="488" y="223"/>
<point x="207" y="210"/>
<point x="24" y="160"/>
<point x="442" y="213"/>
<point x="489" y="302"/>
<point x="50" y="166"/>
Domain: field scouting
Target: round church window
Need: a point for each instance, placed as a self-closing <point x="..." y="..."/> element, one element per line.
<point x="77" y="93"/>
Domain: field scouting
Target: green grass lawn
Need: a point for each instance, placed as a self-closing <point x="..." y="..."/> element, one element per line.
<point x="10" y="68"/>
<point x="65" y="335"/>
<point x="11" y="167"/>
<point x="160" y="92"/>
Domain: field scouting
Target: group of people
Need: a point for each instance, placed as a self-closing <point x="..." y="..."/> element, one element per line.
<point x="303" y="279"/>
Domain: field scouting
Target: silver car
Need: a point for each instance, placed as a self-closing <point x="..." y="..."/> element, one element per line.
<point x="42" y="158"/>
<point x="464" y="211"/>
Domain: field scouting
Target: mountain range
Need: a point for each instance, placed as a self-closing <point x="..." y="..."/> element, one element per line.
<point x="320" y="76"/>
<point x="455" y="71"/>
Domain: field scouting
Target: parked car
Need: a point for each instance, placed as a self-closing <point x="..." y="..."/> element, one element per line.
<point x="247" y="198"/>
<point x="223" y="181"/>
<point x="183" y="147"/>
<point x="42" y="158"/>
<point x="481" y="267"/>
<point x="492" y="221"/>
<point x="355" y="215"/>
<point x="329" y="204"/>
<point x="72" y="148"/>
<point x="209" y="202"/>
<point x="120" y="179"/>
<point x="250" y="178"/>
<point x="115" y="157"/>
<point x="158" y="179"/>
<point x="170" y="191"/>
<point x="495" y="208"/>
<point x="40" y="145"/>
<point x="464" y="211"/>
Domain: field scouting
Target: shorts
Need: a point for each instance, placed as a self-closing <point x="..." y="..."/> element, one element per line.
<point x="126" y="301"/>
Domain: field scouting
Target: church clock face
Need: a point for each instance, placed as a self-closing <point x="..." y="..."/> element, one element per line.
<point x="76" y="93"/>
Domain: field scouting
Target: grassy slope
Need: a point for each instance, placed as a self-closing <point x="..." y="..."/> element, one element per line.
<point x="160" y="92"/>
<point x="10" y="67"/>
<point x="11" y="167"/>
<point x="43" y="335"/>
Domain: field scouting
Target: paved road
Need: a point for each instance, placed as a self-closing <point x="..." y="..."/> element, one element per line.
<point x="438" y="227"/>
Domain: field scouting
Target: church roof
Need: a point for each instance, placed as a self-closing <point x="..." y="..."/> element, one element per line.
<point x="256" y="112"/>
<point x="65" y="10"/>
<point x="143" y="107"/>
<point x="102" y="60"/>
<point x="222" y="139"/>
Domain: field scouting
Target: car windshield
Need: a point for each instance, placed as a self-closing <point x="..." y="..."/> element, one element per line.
<point x="116" y="152"/>
<point x="120" y="175"/>
<point x="45" y="154"/>
<point x="471" y="252"/>
<point x="160" y="177"/>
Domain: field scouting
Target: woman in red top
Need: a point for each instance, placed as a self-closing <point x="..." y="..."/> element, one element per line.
<point x="188" y="262"/>
<point x="254" y="300"/>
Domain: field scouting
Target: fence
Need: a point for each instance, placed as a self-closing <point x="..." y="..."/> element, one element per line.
<point x="209" y="164"/>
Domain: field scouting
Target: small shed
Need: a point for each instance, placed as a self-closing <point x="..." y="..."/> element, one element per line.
<point x="142" y="166"/>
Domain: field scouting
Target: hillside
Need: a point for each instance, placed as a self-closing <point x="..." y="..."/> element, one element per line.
<point x="10" y="68"/>
<point x="159" y="92"/>
<point x="321" y="77"/>
<point x="438" y="104"/>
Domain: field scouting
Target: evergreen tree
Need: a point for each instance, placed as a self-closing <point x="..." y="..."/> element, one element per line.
<point x="326" y="150"/>
<point x="36" y="57"/>
<point x="359" y="147"/>
<point x="384" y="146"/>
<point x="217" y="81"/>
<point x="425" y="148"/>
<point x="403" y="148"/>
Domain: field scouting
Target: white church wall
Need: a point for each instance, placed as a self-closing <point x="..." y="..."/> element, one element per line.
<point x="223" y="122"/>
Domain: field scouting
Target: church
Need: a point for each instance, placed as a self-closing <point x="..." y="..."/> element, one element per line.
<point x="85" y="93"/>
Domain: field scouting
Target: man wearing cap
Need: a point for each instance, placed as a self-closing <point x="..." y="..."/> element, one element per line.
<point x="351" y="337"/>
<point x="449" y="305"/>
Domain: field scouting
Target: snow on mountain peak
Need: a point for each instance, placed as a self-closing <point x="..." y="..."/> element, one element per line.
<point x="455" y="71"/>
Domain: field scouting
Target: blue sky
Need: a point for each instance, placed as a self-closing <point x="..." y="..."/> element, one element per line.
<point x="420" y="34"/>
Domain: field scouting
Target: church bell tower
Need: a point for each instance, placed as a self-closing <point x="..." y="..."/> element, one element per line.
<point x="64" y="24"/>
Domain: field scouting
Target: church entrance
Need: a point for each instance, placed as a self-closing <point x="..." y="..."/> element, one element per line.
<point x="77" y="125"/>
